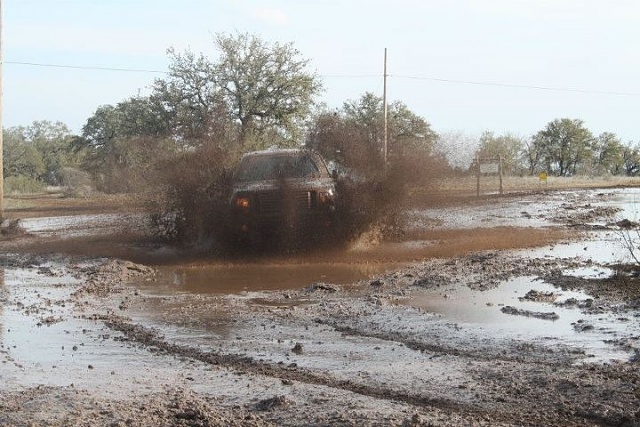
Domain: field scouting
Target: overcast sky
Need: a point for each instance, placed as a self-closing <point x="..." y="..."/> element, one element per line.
<point x="464" y="65"/>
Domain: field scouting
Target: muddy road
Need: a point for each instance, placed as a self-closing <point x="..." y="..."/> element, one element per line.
<point x="507" y="311"/>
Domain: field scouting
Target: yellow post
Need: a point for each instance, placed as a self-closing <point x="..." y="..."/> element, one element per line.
<point x="543" y="177"/>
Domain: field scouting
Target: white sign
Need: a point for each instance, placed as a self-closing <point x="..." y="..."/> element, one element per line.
<point x="489" y="168"/>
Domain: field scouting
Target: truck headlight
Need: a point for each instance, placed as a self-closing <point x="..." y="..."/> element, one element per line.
<point x="325" y="197"/>
<point x="243" y="202"/>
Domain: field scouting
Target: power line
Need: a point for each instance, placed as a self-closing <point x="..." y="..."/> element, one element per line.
<point x="356" y="76"/>
<point x="87" y="67"/>
<point x="507" y="85"/>
<point x="83" y="67"/>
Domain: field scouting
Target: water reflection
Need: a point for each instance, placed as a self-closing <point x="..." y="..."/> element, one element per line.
<point x="483" y="310"/>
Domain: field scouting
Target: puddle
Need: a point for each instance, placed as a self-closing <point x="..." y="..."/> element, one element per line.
<point x="599" y="247"/>
<point x="589" y="272"/>
<point x="42" y="343"/>
<point x="484" y="310"/>
<point x="241" y="277"/>
<point x="477" y="309"/>
<point x="537" y="211"/>
<point x="627" y="200"/>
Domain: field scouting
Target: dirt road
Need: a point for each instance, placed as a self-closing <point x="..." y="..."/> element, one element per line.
<point x="515" y="310"/>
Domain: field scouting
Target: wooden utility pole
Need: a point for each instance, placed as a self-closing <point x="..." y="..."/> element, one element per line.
<point x="1" y="124"/>
<point x="477" y="162"/>
<point x="384" y="107"/>
<point x="500" y="174"/>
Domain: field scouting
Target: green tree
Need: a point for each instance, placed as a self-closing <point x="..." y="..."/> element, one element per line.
<point x="631" y="159"/>
<point x="53" y="140"/>
<point x="608" y="154"/>
<point x="367" y="114"/>
<point x="409" y="134"/>
<point x="507" y="147"/>
<point x="354" y="135"/>
<point x="256" y="94"/>
<point x="39" y="151"/>
<point x="21" y="157"/>
<point x="122" y="142"/>
<point x="533" y="155"/>
<point x="132" y="118"/>
<point x="266" y="86"/>
<point x="191" y="102"/>
<point x="564" y="145"/>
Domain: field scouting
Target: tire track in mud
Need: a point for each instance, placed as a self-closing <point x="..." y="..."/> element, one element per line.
<point x="587" y="413"/>
<point x="410" y="344"/>
<point x="479" y="355"/>
<point x="155" y="343"/>
<point x="151" y="339"/>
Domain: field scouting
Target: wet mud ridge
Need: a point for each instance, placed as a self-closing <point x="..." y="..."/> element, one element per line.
<point x="287" y="374"/>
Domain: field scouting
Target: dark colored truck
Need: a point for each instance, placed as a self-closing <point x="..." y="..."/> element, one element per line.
<point x="282" y="192"/>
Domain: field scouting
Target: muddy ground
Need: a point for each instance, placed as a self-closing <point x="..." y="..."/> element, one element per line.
<point x="510" y="310"/>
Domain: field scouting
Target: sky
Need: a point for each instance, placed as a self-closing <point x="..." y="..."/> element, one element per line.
<point x="466" y="66"/>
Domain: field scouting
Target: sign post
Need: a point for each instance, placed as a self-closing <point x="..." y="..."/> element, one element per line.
<point x="488" y="167"/>
<point x="543" y="177"/>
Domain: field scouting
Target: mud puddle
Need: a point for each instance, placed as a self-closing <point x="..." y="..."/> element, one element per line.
<point x="248" y="277"/>
<point x="363" y="261"/>
<point x="536" y="210"/>
<point x="529" y="309"/>
<point x="44" y="342"/>
<point x="601" y="248"/>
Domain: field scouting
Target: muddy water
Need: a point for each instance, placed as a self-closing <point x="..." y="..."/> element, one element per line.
<point x="83" y="225"/>
<point x="247" y="277"/>
<point x="476" y="310"/>
<point x="365" y="259"/>
<point x="593" y="332"/>
<point x="43" y="342"/>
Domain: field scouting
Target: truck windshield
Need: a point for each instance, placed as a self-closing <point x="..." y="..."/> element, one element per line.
<point x="273" y="167"/>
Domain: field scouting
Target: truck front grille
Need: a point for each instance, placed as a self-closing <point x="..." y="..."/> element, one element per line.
<point x="279" y="202"/>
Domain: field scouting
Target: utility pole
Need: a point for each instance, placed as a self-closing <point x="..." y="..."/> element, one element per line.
<point x="384" y="107"/>
<point x="1" y="124"/>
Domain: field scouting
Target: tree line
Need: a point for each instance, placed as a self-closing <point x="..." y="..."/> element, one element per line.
<point x="256" y="95"/>
<point x="565" y="147"/>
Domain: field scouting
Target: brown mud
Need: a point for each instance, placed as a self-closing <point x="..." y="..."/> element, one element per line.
<point x="89" y="339"/>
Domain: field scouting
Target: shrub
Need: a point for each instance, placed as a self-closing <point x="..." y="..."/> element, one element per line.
<point x="22" y="185"/>
<point x="76" y="183"/>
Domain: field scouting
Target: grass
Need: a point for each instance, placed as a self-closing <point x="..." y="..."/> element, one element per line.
<point x="466" y="187"/>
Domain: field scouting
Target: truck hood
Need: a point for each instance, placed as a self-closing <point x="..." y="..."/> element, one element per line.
<point x="314" y="184"/>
